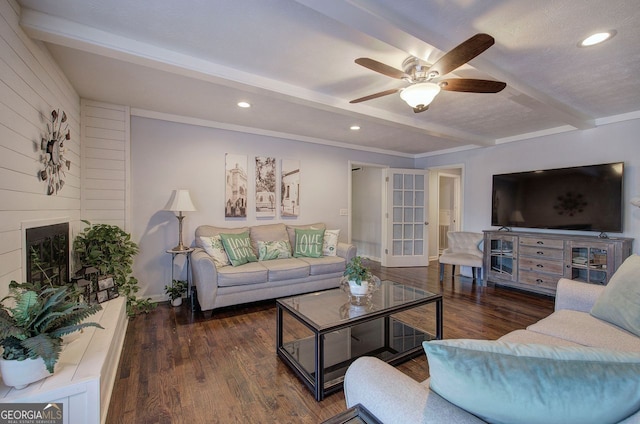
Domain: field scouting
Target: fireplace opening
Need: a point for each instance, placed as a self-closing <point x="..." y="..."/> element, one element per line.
<point x="47" y="254"/>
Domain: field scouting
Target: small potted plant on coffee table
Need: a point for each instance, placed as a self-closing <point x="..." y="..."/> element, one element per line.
<point x="359" y="282"/>
<point x="175" y="291"/>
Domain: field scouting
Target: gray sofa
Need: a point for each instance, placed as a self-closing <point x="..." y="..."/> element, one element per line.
<point x="218" y="286"/>
<point x="396" y="398"/>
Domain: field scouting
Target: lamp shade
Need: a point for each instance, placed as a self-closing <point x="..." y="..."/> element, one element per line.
<point x="421" y="94"/>
<point x="180" y="201"/>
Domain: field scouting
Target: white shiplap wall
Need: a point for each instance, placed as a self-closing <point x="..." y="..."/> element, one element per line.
<point x="31" y="85"/>
<point x="105" y="163"/>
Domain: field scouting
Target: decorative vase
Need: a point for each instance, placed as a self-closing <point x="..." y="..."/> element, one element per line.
<point x="176" y="302"/>
<point x="19" y="374"/>
<point x="360" y="294"/>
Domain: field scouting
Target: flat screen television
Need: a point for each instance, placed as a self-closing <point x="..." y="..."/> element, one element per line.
<point x="585" y="198"/>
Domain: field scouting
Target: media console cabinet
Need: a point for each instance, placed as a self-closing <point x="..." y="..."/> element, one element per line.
<point x="536" y="261"/>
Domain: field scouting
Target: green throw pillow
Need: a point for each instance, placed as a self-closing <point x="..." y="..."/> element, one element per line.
<point x="308" y="243"/>
<point x="504" y="382"/>
<point x="268" y="250"/>
<point x="238" y="248"/>
<point x="619" y="303"/>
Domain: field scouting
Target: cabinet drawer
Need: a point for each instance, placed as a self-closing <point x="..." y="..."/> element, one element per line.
<point x="540" y="280"/>
<point x="541" y="242"/>
<point x="542" y="265"/>
<point x="542" y="252"/>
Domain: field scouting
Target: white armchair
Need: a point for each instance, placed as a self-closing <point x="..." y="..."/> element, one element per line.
<point x="463" y="250"/>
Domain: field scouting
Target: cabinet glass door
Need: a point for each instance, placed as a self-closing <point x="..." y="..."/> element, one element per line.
<point x="502" y="256"/>
<point x="589" y="264"/>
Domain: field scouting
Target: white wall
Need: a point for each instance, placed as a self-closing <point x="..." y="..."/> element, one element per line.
<point x="607" y="143"/>
<point x="31" y="85"/>
<point x="167" y="155"/>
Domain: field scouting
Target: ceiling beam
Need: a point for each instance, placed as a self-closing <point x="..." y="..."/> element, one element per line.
<point x="56" y="30"/>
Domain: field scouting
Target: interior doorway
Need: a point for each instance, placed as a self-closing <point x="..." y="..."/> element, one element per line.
<point x="446" y="206"/>
<point x="365" y="209"/>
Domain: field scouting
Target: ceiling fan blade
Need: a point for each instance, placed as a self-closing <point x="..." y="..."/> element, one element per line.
<point x="420" y="109"/>
<point x="381" y="68"/>
<point x="472" y="85"/>
<point x="376" y="95"/>
<point x="462" y="53"/>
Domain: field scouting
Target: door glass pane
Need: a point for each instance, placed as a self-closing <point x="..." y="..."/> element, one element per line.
<point x="408" y="198"/>
<point x="408" y="182"/>
<point x="419" y="182"/>
<point x="417" y="247"/>
<point x="397" y="198"/>
<point x="408" y="215"/>
<point x="419" y="196"/>
<point x="408" y="231"/>
<point x="419" y="214"/>
<point x="397" y="248"/>
<point x="407" y="248"/>
<point x="397" y="231"/>
<point x="397" y="214"/>
<point x="397" y="181"/>
<point x="418" y="231"/>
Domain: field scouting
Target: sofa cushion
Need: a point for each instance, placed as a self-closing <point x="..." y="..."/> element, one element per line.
<point x="330" y="242"/>
<point x="526" y="336"/>
<point x="210" y="231"/>
<point x="531" y="383"/>
<point x="286" y="269"/>
<point x="291" y="230"/>
<point x="269" y="250"/>
<point x="308" y="243"/>
<point x="238" y="248"/>
<point x="325" y="265"/>
<point x="213" y="246"/>
<point x="619" y="303"/>
<point x="268" y="232"/>
<point x="249" y="273"/>
<point x="584" y="329"/>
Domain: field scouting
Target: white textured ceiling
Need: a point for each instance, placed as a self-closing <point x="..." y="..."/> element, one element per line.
<point x="293" y="60"/>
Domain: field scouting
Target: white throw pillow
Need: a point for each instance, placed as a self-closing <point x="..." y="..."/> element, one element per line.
<point x="330" y="242"/>
<point x="213" y="246"/>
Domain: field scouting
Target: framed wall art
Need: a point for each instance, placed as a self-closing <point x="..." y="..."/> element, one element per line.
<point x="290" y="188"/>
<point x="236" y="186"/>
<point x="265" y="187"/>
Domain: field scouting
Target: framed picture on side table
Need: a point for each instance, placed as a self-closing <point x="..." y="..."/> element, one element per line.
<point x="103" y="296"/>
<point x="105" y="282"/>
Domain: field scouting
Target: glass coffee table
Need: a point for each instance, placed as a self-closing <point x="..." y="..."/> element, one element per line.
<point x="320" y="334"/>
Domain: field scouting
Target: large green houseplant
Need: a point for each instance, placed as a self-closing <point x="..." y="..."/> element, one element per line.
<point x="32" y="323"/>
<point x="110" y="249"/>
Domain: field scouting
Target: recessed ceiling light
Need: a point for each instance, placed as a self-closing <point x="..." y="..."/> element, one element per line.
<point x="597" y="38"/>
<point x="244" y="104"/>
<point x="354" y="127"/>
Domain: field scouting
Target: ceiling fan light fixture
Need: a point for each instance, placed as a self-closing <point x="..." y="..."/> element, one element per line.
<point x="421" y="94"/>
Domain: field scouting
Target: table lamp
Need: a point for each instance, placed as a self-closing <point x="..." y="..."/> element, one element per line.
<point x="180" y="201"/>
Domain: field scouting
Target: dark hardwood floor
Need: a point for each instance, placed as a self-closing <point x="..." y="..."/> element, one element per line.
<point x="178" y="367"/>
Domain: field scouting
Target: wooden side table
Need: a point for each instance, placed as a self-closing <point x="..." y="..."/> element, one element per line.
<point x="187" y="254"/>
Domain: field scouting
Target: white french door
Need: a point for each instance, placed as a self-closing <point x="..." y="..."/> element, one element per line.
<point x="405" y="235"/>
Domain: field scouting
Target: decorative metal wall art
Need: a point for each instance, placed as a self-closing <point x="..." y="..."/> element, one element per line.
<point x="52" y="146"/>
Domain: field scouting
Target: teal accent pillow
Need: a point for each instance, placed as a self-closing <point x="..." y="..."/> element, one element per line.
<point x="268" y="250"/>
<point x="504" y="382"/>
<point x="619" y="303"/>
<point x="238" y="248"/>
<point x="308" y="243"/>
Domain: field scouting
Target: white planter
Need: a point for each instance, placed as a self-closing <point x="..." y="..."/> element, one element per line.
<point x="20" y="374"/>
<point x="176" y="302"/>
<point x="359" y="289"/>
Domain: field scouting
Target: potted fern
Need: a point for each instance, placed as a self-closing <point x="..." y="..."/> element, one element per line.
<point x="31" y="328"/>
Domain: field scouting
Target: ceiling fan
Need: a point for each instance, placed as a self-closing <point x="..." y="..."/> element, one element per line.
<point x="423" y="79"/>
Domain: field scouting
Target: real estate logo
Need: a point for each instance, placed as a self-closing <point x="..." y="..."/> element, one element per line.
<point x="30" y="413"/>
